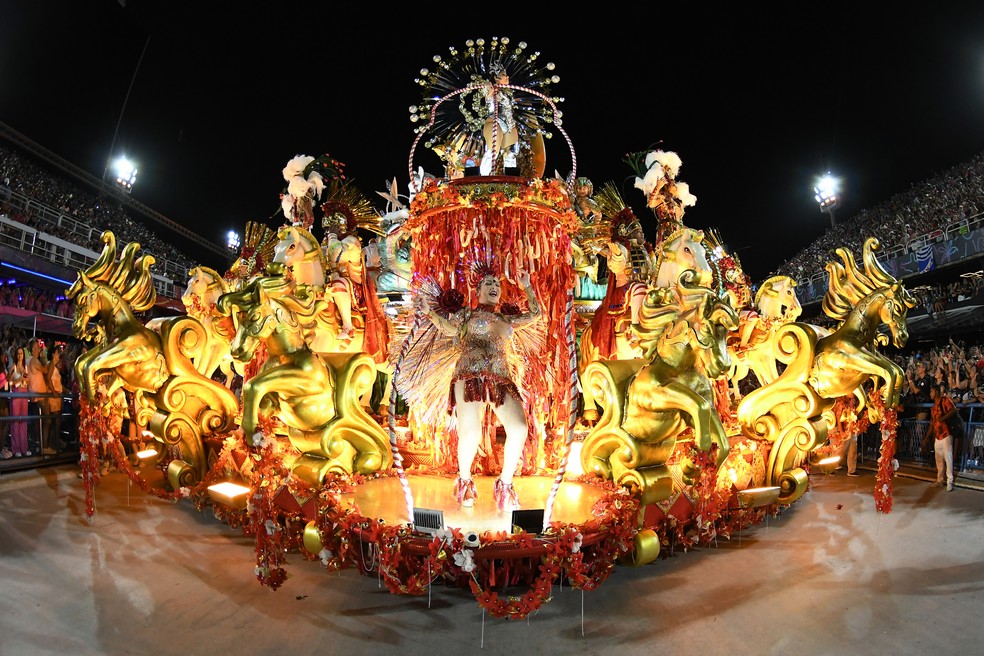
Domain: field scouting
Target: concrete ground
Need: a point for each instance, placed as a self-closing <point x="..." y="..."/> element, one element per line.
<point x="830" y="575"/>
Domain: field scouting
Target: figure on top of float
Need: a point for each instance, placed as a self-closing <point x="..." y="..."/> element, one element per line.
<point x="349" y="286"/>
<point x="305" y="185"/>
<point x="665" y="195"/>
<point x="499" y="130"/>
<point x="488" y="106"/>
<point x="591" y="218"/>
<point x="585" y="205"/>
<point x="387" y="256"/>
<point x="631" y="267"/>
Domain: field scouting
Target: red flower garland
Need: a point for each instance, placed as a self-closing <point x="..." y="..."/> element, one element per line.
<point x="342" y="529"/>
<point x="886" y="459"/>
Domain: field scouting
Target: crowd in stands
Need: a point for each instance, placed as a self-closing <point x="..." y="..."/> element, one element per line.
<point x="958" y="368"/>
<point x="34" y="299"/>
<point x="32" y="364"/>
<point x="933" y="298"/>
<point x="924" y="211"/>
<point x="23" y="176"/>
<point x="955" y="365"/>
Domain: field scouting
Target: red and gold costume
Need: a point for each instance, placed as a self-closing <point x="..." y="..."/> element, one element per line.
<point x="631" y="265"/>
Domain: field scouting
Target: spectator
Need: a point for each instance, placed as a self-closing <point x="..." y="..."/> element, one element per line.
<point x="939" y="432"/>
<point x="55" y="387"/>
<point x="5" y="451"/>
<point x="17" y="377"/>
<point x="919" y="389"/>
<point x="38" y="405"/>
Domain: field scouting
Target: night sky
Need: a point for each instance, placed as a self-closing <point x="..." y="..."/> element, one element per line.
<point x="757" y="103"/>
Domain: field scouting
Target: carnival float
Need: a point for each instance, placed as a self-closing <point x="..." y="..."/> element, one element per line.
<point x="447" y="389"/>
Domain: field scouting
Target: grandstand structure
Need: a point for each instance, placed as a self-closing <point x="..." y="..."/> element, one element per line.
<point x="927" y="260"/>
<point x="53" y="246"/>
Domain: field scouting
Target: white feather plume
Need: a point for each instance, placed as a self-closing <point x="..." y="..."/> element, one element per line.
<point x="317" y="182"/>
<point x="651" y="179"/>
<point x="683" y="193"/>
<point x="296" y="166"/>
<point x="668" y="160"/>
<point x="298" y="187"/>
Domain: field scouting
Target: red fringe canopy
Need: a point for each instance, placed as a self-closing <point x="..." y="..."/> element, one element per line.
<point x="511" y="224"/>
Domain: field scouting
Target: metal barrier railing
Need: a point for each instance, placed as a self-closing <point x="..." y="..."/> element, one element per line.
<point x="908" y="441"/>
<point x="39" y="436"/>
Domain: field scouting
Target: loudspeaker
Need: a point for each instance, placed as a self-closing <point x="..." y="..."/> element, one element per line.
<point x="530" y="521"/>
<point x="428" y="521"/>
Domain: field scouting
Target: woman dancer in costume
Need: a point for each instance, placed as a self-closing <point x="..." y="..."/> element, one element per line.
<point x="482" y="380"/>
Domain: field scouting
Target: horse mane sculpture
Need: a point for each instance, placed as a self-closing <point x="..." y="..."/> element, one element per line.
<point x="751" y="344"/>
<point x="649" y="404"/>
<point x="315" y="396"/>
<point x="793" y="412"/>
<point x="154" y="362"/>
<point x="205" y="286"/>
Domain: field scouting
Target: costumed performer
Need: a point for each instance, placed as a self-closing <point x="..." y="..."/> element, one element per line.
<point x="500" y="124"/>
<point x="483" y="379"/>
<point x="631" y="265"/>
<point x="352" y="290"/>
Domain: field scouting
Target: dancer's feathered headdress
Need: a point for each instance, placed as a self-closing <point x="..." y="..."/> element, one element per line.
<point x="259" y="242"/>
<point x="479" y="271"/>
<point x="346" y="208"/>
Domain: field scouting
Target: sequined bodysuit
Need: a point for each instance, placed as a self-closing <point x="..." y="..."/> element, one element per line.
<point x="483" y="336"/>
<point x="483" y="364"/>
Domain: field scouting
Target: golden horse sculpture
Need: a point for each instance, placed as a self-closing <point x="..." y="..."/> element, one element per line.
<point x="153" y="362"/>
<point x="793" y="412"/>
<point x="683" y="251"/>
<point x="205" y="286"/>
<point x="301" y="254"/>
<point x="649" y="403"/>
<point x="751" y="344"/>
<point x="315" y="396"/>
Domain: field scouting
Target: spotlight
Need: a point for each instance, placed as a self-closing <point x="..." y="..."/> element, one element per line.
<point x="756" y="497"/>
<point x="229" y="494"/>
<point x="827" y="465"/>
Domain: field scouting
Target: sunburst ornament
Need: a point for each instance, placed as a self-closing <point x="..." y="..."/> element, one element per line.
<point x="346" y="208"/>
<point x="453" y="109"/>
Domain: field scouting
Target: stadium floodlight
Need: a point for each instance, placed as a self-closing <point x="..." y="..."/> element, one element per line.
<point x="126" y="173"/>
<point x="827" y="195"/>
<point x="232" y="241"/>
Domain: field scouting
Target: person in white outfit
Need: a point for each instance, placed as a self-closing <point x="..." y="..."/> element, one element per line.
<point x="943" y="410"/>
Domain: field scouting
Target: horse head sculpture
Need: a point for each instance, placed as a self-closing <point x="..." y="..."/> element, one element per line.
<point x="682" y="250"/>
<point x="205" y="286"/>
<point x="316" y="398"/>
<point x="299" y="251"/>
<point x="776" y="299"/>
<point x="109" y="292"/>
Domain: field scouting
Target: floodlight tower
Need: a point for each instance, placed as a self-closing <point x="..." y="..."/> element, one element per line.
<point x="126" y="174"/>
<point x="827" y="196"/>
<point x="233" y="241"/>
